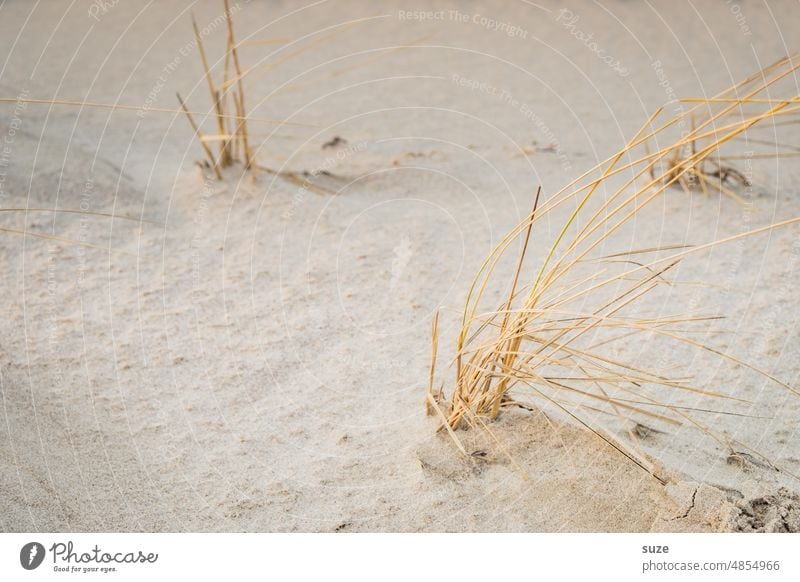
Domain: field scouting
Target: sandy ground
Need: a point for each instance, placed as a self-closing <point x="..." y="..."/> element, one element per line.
<point x="255" y="358"/>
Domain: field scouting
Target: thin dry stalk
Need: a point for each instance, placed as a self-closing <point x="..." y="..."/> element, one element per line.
<point x="549" y="346"/>
<point x="224" y="158"/>
<point x="139" y="109"/>
<point x="242" y="128"/>
<point x="432" y="374"/>
<point x="230" y="145"/>
<point x="69" y="241"/>
<point x="199" y="135"/>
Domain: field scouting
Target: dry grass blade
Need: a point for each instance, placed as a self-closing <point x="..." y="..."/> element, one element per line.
<point x="140" y="109"/>
<point x="242" y="127"/>
<point x="551" y="342"/>
<point x="69" y="241"/>
<point x="224" y="156"/>
<point x="434" y="350"/>
<point x="85" y="213"/>
<point x="63" y="240"/>
<point x="228" y="138"/>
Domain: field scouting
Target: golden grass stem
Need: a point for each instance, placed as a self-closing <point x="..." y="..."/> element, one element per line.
<point x="248" y="158"/>
<point x="199" y="135"/>
<point x="138" y="108"/>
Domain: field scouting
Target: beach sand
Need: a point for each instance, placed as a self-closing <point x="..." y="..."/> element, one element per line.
<point x="254" y="357"/>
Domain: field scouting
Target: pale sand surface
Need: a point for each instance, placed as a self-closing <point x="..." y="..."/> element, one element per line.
<point x="258" y="361"/>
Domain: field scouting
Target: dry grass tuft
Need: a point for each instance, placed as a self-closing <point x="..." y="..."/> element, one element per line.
<point x="552" y="345"/>
<point x="230" y="142"/>
<point x="695" y="162"/>
<point x="702" y="172"/>
<point x="230" y="112"/>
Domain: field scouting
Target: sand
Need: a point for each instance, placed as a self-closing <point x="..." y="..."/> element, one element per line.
<point x="255" y="358"/>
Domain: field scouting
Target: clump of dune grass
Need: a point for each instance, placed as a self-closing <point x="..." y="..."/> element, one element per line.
<point x="550" y="344"/>
<point x="231" y="142"/>
<point x="232" y="139"/>
<point x="231" y="136"/>
<point x="686" y="169"/>
<point x="696" y="163"/>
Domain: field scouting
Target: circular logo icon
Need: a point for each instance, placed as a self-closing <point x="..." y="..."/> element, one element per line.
<point x="31" y="555"/>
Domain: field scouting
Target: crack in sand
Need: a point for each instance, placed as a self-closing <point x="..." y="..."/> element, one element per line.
<point x="691" y="506"/>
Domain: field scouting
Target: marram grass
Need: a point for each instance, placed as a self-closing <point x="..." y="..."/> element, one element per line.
<point x="551" y="344"/>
